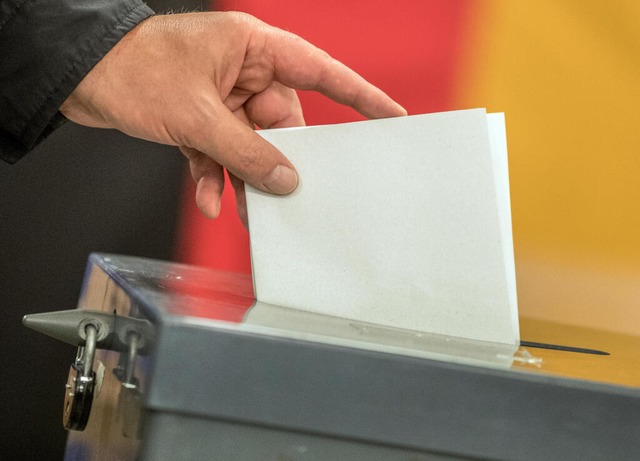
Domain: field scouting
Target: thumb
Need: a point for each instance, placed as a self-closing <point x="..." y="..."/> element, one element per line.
<point x="246" y="154"/>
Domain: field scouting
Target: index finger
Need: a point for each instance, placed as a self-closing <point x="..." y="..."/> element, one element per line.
<point x="300" y="65"/>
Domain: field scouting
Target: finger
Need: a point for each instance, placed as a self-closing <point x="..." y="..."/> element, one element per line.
<point x="241" y="114"/>
<point x="241" y="199"/>
<point x="300" y="65"/>
<point x="209" y="177"/>
<point x="276" y="107"/>
<point x="244" y="153"/>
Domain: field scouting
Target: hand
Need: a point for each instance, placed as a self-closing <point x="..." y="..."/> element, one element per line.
<point x="203" y="81"/>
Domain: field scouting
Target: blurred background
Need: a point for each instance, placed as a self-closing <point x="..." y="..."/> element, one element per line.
<point x="565" y="72"/>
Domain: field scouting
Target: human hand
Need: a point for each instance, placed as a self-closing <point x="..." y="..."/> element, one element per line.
<point x="203" y="81"/>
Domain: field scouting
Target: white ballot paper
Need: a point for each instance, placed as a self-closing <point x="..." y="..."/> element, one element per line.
<point x="402" y="222"/>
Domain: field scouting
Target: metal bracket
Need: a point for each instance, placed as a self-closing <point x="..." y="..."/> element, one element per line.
<point x="114" y="331"/>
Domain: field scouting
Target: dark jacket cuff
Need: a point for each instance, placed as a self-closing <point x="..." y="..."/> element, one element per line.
<point x="46" y="49"/>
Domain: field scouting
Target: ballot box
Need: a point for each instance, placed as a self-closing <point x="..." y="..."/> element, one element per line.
<point x="182" y="363"/>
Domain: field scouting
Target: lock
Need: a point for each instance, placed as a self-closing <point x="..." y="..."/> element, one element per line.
<point x="91" y="330"/>
<point x="81" y="383"/>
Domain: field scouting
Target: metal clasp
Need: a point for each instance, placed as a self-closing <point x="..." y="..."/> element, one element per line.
<point x="81" y="382"/>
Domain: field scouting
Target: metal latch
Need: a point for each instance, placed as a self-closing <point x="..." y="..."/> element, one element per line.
<point x="91" y="330"/>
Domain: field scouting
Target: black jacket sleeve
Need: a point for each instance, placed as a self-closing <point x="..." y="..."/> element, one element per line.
<point x="46" y="48"/>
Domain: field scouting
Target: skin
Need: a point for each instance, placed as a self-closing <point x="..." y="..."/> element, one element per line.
<point x="203" y="82"/>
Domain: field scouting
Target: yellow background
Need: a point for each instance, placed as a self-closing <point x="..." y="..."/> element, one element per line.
<point x="567" y="76"/>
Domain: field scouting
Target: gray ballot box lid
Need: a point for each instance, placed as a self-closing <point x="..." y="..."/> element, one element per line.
<point x="229" y="378"/>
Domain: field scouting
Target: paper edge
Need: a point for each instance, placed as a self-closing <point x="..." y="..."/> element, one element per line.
<point x="498" y="142"/>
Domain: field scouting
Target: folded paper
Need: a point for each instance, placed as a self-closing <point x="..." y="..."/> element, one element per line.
<point x="403" y="222"/>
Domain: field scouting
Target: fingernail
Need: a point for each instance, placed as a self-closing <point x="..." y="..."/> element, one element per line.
<point x="281" y="180"/>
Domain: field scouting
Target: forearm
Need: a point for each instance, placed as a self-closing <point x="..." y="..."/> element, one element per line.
<point x="46" y="48"/>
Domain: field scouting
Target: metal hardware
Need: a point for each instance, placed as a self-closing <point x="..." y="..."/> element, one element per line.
<point x="80" y="383"/>
<point x="91" y="330"/>
<point x="129" y="401"/>
<point x="113" y="330"/>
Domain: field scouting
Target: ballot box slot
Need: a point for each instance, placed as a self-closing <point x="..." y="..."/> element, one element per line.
<point x="558" y="347"/>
